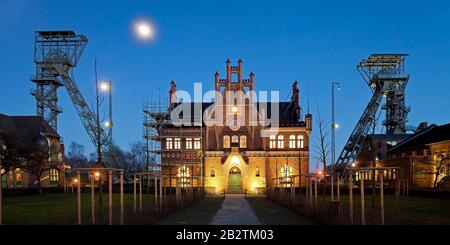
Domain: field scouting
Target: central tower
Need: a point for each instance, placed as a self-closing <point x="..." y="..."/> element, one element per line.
<point x="238" y="85"/>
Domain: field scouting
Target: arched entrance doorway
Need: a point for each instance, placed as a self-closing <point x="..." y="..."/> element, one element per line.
<point x="234" y="179"/>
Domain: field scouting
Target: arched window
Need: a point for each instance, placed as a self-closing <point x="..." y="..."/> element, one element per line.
<point x="272" y="142"/>
<point x="280" y="141"/>
<point x="169" y="144"/>
<point x="243" y="141"/>
<point x="189" y="143"/>
<point x="197" y="144"/>
<point x="235" y="139"/>
<point x="300" y="143"/>
<point x="177" y="143"/>
<point x="286" y="176"/>
<point x="226" y="141"/>
<point x="292" y="141"/>
<point x="213" y="173"/>
<point x="183" y="175"/>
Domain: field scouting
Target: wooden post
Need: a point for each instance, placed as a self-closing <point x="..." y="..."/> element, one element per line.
<point x="363" y="211"/>
<point x="307" y="190"/>
<point x="134" y="192"/>
<point x="311" y="192"/>
<point x="79" y="197"/>
<point x="293" y="192"/>
<point x="93" y="197"/>
<point x="332" y="186"/>
<point x="407" y="187"/>
<point x="140" y="193"/>
<point x="381" y="197"/>
<point x="161" y="180"/>
<point x="121" y="198"/>
<point x="110" y="196"/>
<point x="350" y="194"/>
<point x="1" y="195"/>
<point x="315" y="195"/>
<point x="397" y="201"/>
<point x="156" y="193"/>
<point x="177" y="192"/>
<point x="338" y="186"/>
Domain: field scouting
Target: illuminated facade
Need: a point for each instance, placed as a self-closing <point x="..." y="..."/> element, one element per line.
<point x="24" y="130"/>
<point x="237" y="148"/>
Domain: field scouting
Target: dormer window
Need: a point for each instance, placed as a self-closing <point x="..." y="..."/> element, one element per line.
<point x="243" y="141"/>
<point x="226" y="141"/>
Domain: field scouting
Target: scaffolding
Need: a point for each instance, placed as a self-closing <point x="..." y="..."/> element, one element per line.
<point x="182" y="163"/>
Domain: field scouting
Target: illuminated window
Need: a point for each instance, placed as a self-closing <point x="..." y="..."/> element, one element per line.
<point x="213" y="173"/>
<point x="197" y="144"/>
<point x="183" y="175"/>
<point x="169" y="144"/>
<point x="177" y="143"/>
<point x="226" y="141"/>
<point x="243" y="141"/>
<point x="257" y="172"/>
<point x="300" y="143"/>
<point x="18" y="175"/>
<point x="235" y="139"/>
<point x="189" y="143"/>
<point x="54" y="175"/>
<point x="273" y="142"/>
<point x="280" y="141"/>
<point x="292" y="141"/>
<point x="287" y="178"/>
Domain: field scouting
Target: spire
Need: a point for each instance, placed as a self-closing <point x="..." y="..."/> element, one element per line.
<point x="172" y="94"/>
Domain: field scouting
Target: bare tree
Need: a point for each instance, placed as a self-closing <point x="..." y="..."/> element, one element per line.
<point x="322" y="146"/>
<point x="439" y="166"/>
<point x="75" y="155"/>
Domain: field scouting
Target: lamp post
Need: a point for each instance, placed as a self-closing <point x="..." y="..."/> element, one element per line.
<point x="334" y="85"/>
<point x="106" y="86"/>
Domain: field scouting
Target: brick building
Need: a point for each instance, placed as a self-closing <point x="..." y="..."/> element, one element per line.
<point x="25" y="129"/>
<point x="229" y="143"/>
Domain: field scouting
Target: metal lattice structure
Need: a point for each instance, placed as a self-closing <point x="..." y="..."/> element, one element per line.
<point x="158" y="127"/>
<point x="385" y="75"/>
<point x="56" y="54"/>
<point x="156" y="116"/>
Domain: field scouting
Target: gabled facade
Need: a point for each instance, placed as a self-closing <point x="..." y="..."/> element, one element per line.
<point x="235" y="142"/>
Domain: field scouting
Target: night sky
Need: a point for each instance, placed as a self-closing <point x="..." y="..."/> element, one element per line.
<point x="314" y="42"/>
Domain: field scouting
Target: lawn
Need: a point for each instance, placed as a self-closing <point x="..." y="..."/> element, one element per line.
<point x="271" y="213"/>
<point x="414" y="210"/>
<point x="200" y="213"/>
<point x="61" y="208"/>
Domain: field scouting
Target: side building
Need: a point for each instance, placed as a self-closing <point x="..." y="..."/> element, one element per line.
<point x="422" y="158"/>
<point x="18" y="136"/>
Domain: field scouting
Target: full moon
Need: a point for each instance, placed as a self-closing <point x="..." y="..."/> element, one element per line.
<point x="144" y="30"/>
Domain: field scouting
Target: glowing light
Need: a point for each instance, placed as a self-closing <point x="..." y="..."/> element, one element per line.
<point x="104" y="86"/>
<point x="353" y="165"/>
<point x="144" y="30"/>
<point x="320" y="172"/>
<point x="107" y="124"/>
<point x="97" y="174"/>
<point x="234" y="109"/>
<point x="235" y="160"/>
<point x="336" y="126"/>
<point x="75" y="181"/>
